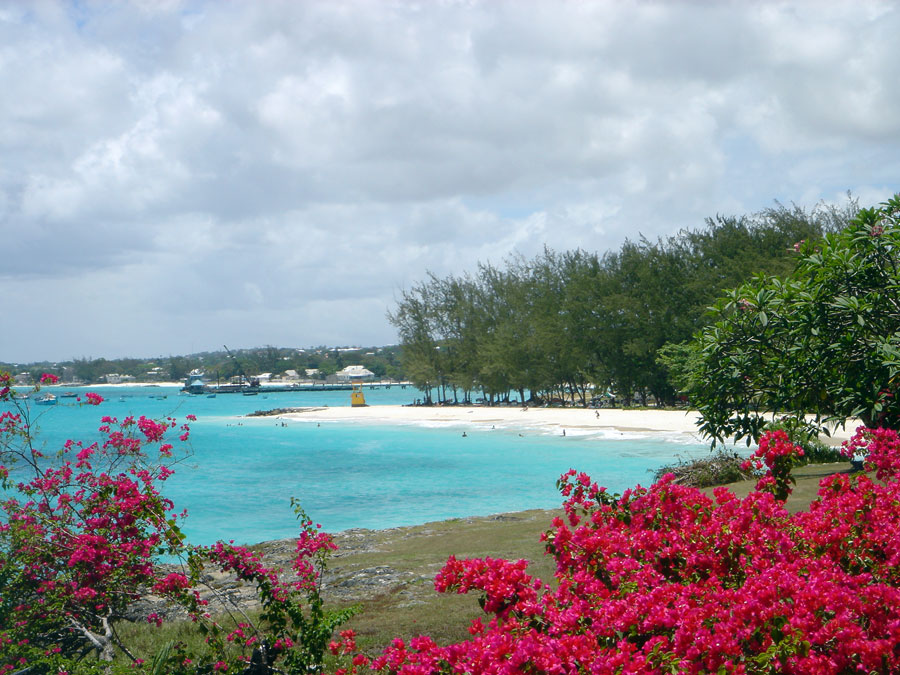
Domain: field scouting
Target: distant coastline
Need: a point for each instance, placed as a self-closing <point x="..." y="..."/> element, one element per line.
<point x="180" y="385"/>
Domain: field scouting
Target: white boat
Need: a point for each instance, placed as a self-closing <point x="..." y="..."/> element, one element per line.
<point x="46" y="399"/>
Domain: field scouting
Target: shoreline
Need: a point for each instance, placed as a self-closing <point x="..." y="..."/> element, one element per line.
<point x="579" y="420"/>
<point x="180" y="384"/>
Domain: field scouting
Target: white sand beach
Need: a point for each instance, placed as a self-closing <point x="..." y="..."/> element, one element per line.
<point x="571" y="419"/>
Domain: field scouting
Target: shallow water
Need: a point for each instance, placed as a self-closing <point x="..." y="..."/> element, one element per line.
<point x="243" y="472"/>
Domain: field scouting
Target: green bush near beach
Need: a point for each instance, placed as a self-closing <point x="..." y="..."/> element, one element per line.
<point x="823" y="340"/>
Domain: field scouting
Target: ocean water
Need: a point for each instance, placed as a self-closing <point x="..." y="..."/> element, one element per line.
<point x="238" y="482"/>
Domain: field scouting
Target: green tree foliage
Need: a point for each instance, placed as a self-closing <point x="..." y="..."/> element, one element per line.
<point x="560" y="323"/>
<point x="823" y="340"/>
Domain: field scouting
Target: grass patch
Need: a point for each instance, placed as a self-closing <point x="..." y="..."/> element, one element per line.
<point x="413" y="555"/>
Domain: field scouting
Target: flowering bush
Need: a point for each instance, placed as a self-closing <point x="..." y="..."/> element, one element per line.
<point x="80" y="537"/>
<point x="778" y="455"/>
<point x="665" y="579"/>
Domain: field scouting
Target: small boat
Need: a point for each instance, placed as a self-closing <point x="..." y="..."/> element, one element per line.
<point x="210" y="396"/>
<point x="68" y="394"/>
<point x="46" y="399"/>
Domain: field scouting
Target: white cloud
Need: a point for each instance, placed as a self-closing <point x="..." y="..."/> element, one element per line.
<point x="273" y="169"/>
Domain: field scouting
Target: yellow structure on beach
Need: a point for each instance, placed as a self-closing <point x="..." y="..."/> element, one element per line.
<point x="357" y="399"/>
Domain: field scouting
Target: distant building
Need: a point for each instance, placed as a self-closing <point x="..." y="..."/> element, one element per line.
<point x="355" y="374"/>
<point x="311" y="372"/>
<point x="115" y="378"/>
<point x="291" y="375"/>
<point x="23" y="379"/>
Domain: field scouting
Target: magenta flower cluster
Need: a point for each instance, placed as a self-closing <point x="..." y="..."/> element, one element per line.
<point x="668" y="580"/>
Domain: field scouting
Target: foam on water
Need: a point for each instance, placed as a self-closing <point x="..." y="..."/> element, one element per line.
<point x="243" y="471"/>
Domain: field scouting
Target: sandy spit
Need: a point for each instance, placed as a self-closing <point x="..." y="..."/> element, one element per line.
<point x="611" y="419"/>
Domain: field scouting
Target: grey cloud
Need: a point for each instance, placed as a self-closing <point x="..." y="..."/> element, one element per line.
<point x="239" y="162"/>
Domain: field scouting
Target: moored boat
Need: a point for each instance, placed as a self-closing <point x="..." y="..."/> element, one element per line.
<point x="46" y="399"/>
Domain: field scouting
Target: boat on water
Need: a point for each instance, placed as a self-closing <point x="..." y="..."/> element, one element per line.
<point x="46" y="399"/>
<point x="210" y="396"/>
<point x="68" y="394"/>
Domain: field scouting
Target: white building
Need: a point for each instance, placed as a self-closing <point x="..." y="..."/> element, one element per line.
<point x="115" y="378"/>
<point x="355" y="374"/>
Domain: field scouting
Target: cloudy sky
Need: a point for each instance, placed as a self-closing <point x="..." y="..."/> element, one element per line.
<point x="175" y="176"/>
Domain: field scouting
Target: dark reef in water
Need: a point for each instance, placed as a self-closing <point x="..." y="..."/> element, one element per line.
<point x="280" y="411"/>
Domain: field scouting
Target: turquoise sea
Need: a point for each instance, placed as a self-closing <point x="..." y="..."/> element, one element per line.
<point x="243" y="471"/>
